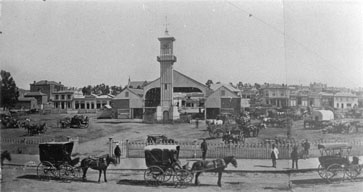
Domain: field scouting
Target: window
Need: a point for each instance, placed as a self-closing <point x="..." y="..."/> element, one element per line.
<point x="63" y="96"/>
<point x="349" y="105"/>
<point x="56" y="97"/>
<point x="126" y="94"/>
<point x="166" y="87"/>
<point x="68" y="96"/>
<point x="223" y="92"/>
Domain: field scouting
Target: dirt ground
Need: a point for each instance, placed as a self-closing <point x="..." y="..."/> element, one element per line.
<point x="94" y="138"/>
<point x="16" y="179"/>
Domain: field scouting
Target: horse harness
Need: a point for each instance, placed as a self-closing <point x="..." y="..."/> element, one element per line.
<point x="99" y="160"/>
<point x="218" y="163"/>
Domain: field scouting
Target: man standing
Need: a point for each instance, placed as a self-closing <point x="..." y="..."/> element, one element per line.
<point x="274" y="155"/>
<point x="295" y="157"/>
<point x="306" y="146"/>
<point x="204" y="148"/>
<point x="117" y="153"/>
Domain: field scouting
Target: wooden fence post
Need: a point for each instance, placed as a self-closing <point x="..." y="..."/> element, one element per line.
<point x="110" y="146"/>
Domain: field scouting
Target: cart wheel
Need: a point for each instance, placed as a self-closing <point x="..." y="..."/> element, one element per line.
<point x="182" y="177"/>
<point x="66" y="172"/>
<point x="321" y="171"/>
<point x="352" y="171"/>
<point x="169" y="172"/>
<point x="46" y="170"/>
<point x="154" y="175"/>
<point x="335" y="173"/>
<point x="218" y="133"/>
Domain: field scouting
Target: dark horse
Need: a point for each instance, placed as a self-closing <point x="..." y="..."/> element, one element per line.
<point x="217" y="165"/>
<point x="5" y="155"/>
<point x="98" y="163"/>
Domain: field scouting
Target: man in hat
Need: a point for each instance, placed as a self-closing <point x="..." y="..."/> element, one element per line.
<point x="117" y="153"/>
<point x="295" y="157"/>
<point x="204" y="148"/>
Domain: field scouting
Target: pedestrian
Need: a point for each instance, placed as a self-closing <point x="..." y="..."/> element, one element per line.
<point x="295" y="157"/>
<point x="117" y="153"/>
<point x="204" y="148"/>
<point x="274" y="155"/>
<point x="197" y="123"/>
<point x="306" y="146"/>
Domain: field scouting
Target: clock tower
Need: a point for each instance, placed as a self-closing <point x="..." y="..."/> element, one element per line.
<point x="166" y="59"/>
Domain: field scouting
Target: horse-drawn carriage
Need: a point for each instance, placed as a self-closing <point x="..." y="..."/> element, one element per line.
<point x="335" y="164"/>
<point x="77" y="121"/>
<point x="158" y="139"/>
<point x="56" y="161"/>
<point x="163" y="164"/>
<point x="34" y="128"/>
<point x="8" y="121"/>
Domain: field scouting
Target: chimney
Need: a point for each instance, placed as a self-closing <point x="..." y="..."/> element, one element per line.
<point x="60" y="82"/>
<point x="34" y="82"/>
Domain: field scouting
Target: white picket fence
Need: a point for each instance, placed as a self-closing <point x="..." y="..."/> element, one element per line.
<point x="135" y="149"/>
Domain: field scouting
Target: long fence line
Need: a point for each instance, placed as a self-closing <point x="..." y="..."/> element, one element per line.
<point x="243" y="151"/>
<point x="28" y="141"/>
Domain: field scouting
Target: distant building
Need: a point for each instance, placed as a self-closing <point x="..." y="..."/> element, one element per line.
<point x="47" y="87"/>
<point x="26" y="103"/>
<point x="345" y="100"/>
<point x="41" y="98"/>
<point x="275" y="95"/>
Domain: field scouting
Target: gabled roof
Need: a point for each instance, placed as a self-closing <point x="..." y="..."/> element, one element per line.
<point x="136" y="84"/>
<point x="228" y="86"/>
<point x="35" y="94"/>
<point x="227" y="89"/>
<point x="139" y="92"/>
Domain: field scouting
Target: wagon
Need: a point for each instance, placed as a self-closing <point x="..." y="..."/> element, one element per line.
<point x="79" y="121"/>
<point x="163" y="165"/>
<point x="56" y="162"/>
<point x="335" y="164"/>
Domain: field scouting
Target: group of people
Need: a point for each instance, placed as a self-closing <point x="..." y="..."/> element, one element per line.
<point x="274" y="153"/>
<point x="294" y="154"/>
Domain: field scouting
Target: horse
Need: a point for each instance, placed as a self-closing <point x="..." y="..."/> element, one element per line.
<point x="216" y="166"/>
<point x="99" y="163"/>
<point x="5" y="155"/>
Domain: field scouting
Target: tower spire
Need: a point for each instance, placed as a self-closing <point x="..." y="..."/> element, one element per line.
<point x="166" y="26"/>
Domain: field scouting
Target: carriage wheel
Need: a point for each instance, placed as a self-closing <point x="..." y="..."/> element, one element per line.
<point x="46" y="170"/>
<point x="352" y="171"/>
<point x="67" y="172"/>
<point x="211" y="134"/>
<point x="321" y="171"/>
<point x="335" y="173"/>
<point x="169" y="172"/>
<point x="218" y="133"/>
<point x="182" y="177"/>
<point x="154" y="175"/>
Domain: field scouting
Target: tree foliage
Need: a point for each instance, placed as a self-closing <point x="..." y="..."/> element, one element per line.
<point x="209" y="82"/>
<point x="101" y="89"/>
<point x="9" y="91"/>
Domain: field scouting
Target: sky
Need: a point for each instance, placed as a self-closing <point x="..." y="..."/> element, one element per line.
<point x="83" y="43"/>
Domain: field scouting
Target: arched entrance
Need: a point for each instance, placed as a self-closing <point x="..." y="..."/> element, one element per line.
<point x="166" y="116"/>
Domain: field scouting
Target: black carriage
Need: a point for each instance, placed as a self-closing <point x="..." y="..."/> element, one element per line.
<point x="79" y="121"/>
<point x="163" y="165"/>
<point x="335" y="163"/>
<point x="159" y="139"/>
<point x="56" y="161"/>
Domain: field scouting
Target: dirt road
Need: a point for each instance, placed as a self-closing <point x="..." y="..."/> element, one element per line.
<point x="16" y="179"/>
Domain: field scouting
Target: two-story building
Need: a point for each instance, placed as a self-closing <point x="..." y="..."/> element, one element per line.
<point x="41" y="98"/>
<point x="275" y="95"/>
<point x="345" y="100"/>
<point x="46" y="87"/>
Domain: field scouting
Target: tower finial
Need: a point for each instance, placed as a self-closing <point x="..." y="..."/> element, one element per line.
<point x="166" y="26"/>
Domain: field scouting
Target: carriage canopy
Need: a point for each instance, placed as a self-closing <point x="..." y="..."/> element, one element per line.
<point x="331" y="149"/>
<point x="161" y="155"/>
<point x="55" y="151"/>
<point x="322" y="115"/>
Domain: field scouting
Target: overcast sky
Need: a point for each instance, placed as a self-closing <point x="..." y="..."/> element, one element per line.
<point x="90" y="42"/>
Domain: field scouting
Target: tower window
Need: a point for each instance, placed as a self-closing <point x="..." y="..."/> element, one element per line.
<point x="126" y="94"/>
<point x="166" y="86"/>
<point x="223" y="92"/>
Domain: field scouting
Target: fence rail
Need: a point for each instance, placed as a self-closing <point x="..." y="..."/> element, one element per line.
<point x="191" y="149"/>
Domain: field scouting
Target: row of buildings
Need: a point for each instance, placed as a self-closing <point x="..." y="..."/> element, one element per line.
<point x="174" y="93"/>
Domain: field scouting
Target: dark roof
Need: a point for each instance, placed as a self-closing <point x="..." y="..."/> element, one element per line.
<point x="45" y="82"/>
<point x="35" y="94"/>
